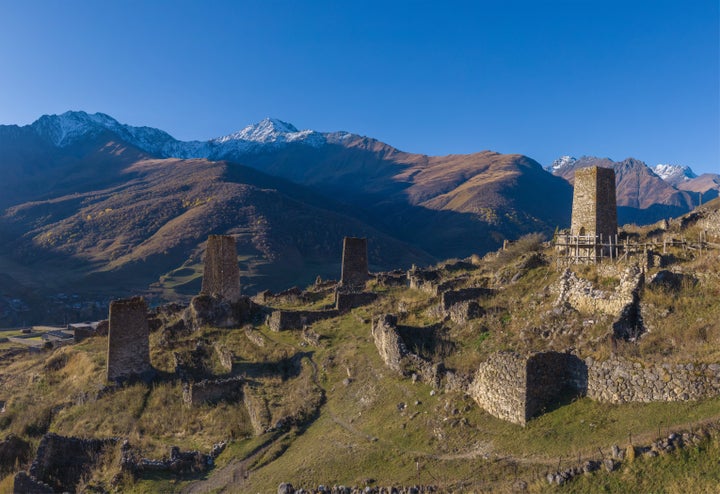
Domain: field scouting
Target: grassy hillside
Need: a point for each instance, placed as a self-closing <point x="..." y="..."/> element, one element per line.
<point x="354" y="421"/>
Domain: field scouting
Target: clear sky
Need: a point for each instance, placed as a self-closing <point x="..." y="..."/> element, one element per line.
<point x="544" y="78"/>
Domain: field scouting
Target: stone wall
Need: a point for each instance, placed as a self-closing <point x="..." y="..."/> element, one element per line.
<point x="594" y="210"/>
<point x="60" y="463"/>
<point x="13" y="451"/>
<point x="618" y="380"/>
<point x="212" y="391"/>
<point x="517" y="388"/>
<point x="128" y="340"/>
<point x="388" y="341"/>
<point x="257" y="409"/>
<point x="221" y="274"/>
<point x="283" y="320"/>
<point x="499" y="386"/>
<point x="218" y="312"/>
<point x="550" y="378"/>
<point x="354" y="262"/>
<point x="346" y="301"/>
<point x="24" y="483"/>
<point x="623" y="302"/>
<point x="452" y="297"/>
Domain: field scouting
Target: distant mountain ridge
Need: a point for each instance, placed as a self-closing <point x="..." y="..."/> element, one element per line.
<point x="125" y="207"/>
<point x="646" y="194"/>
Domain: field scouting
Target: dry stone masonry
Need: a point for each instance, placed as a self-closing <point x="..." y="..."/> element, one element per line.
<point x="517" y="388"/>
<point x="128" y="340"/>
<point x="221" y="274"/>
<point x="355" y="270"/>
<point x="618" y="380"/>
<point x="594" y="209"/>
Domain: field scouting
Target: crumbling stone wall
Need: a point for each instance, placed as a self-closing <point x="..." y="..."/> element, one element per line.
<point x="355" y="270"/>
<point x="212" y="391"/>
<point x="346" y="301"/>
<point x="283" y="320"/>
<point x="618" y="380"/>
<point x="24" y="483"/>
<point x="257" y="409"/>
<point x="388" y="341"/>
<point x="221" y="274"/>
<point x="623" y="303"/>
<point x="452" y="297"/>
<point x="60" y="463"/>
<point x="128" y="340"/>
<point x="594" y="209"/>
<point x="13" y="450"/>
<point x="206" y="310"/>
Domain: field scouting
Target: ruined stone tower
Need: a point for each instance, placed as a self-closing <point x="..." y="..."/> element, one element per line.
<point x="221" y="274"/>
<point x="594" y="209"/>
<point x="128" y="340"/>
<point x="354" y="262"/>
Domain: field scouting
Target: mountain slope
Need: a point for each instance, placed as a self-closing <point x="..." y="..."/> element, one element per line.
<point x="156" y="219"/>
<point x="642" y="196"/>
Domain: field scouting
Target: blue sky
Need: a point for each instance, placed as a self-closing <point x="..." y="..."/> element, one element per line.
<point x="542" y="78"/>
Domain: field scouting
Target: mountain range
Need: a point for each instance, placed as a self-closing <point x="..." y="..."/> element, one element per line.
<point x="92" y="206"/>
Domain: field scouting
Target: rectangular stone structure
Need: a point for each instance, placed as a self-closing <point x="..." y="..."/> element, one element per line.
<point x="355" y="270"/>
<point x="594" y="209"/>
<point x="221" y="274"/>
<point x="128" y="340"/>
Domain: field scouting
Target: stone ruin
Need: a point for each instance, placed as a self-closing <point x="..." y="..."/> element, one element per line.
<point x="517" y="388"/>
<point x="221" y="274"/>
<point x="213" y="390"/>
<point x="355" y="272"/>
<point x="128" y="354"/>
<point x="60" y="463"/>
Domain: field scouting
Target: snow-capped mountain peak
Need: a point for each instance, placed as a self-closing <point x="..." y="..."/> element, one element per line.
<point x="72" y="126"/>
<point x="268" y="130"/>
<point x="66" y="128"/>
<point x="674" y="174"/>
<point x="561" y="162"/>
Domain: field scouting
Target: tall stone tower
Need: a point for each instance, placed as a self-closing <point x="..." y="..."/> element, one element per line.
<point x="221" y="274"/>
<point x="354" y="262"/>
<point x="128" y="354"/>
<point x="594" y="209"/>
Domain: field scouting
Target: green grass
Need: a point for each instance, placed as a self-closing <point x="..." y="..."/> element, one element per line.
<point x="690" y="470"/>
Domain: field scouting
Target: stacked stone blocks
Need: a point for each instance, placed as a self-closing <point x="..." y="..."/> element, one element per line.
<point x="128" y="340"/>
<point x="355" y="272"/>
<point x="221" y="274"/>
<point x="594" y="209"/>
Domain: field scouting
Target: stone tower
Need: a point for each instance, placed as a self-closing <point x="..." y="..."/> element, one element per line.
<point x="594" y="209"/>
<point x="221" y="274"/>
<point x="128" y="353"/>
<point x="354" y="262"/>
